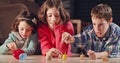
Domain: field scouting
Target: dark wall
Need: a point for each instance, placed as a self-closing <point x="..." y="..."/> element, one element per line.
<point x="39" y="2"/>
<point x="81" y="9"/>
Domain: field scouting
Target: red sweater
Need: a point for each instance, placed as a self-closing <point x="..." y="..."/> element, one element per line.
<point x="52" y="39"/>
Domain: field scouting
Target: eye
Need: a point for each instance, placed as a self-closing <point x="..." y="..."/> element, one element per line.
<point x="93" y="24"/>
<point x="101" y="24"/>
<point x="57" y="15"/>
<point x="49" y="15"/>
<point x="21" y="29"/>
<point x="28" y="30"/>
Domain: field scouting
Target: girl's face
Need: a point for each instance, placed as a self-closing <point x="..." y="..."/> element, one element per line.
<point x="53" y="17"/>
<point x="100" y="26"/>
<point x="24" y="29"/>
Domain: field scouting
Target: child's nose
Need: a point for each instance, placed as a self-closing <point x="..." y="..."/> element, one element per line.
<point x="97" y="28"/>
<point x="24" y="32"/>
<point x="53" y="18"/>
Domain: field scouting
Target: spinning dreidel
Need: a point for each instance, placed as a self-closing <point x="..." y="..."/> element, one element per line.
<point x="19" y="54"/>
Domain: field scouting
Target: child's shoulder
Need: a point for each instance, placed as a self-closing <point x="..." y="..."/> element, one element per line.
<point x="13" y="33"/>
<point x="68" y="24"/>
<point x="115" y="29"/>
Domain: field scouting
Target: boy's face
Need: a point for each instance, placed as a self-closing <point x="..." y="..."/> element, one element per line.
<point x="24" y="29"/>
<point x="100" y="26"/>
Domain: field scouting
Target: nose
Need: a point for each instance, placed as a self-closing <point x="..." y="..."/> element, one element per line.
<point x="53" y="18"/>
<point x="97" y="28"/>
<point x="24" y="32"/>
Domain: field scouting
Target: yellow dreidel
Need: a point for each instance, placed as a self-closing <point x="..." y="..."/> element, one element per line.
<point x="64" y="56"/>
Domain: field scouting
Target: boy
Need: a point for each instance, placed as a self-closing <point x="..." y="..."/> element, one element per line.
<point x="102" y="38"/>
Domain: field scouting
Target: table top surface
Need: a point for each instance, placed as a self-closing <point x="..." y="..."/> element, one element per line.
<point x="41" y="59"/>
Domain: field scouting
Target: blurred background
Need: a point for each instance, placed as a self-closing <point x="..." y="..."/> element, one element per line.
<point x="78" y="9"/>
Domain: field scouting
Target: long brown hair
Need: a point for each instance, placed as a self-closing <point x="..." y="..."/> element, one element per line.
<point x="50" y="4"/>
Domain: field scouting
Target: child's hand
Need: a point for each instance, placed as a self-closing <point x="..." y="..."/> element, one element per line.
<point x="12" y="46"/>
<point x="53" y="52"/>
<point x="91" y="54"/>
<point x="96" y="55"/>
<point x="67" y="38"/>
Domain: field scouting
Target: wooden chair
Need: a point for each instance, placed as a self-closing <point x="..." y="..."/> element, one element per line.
<point x="77" y="25"/>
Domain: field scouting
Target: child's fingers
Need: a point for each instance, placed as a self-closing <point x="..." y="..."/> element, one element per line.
<point x="12" y="46"/>
<point x="69" y="39"/>
<point x="9" y="45"/>
<point x="91" y="54"/>
<point x="64" y="36"/>
<point x="57" y="52"/>
<point x="54" y="52"/>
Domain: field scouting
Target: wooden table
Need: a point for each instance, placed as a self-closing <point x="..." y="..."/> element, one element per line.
<point x="41" y="59"/>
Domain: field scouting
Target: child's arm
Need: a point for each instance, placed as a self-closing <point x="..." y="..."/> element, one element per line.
<point x="96" y="55"/>
<point x="66" y="36"/>
<point x="102" y="54"/>
<point x="4" y="48"/>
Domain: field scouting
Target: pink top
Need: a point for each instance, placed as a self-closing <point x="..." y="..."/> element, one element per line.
<point x="52" y="39"/>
